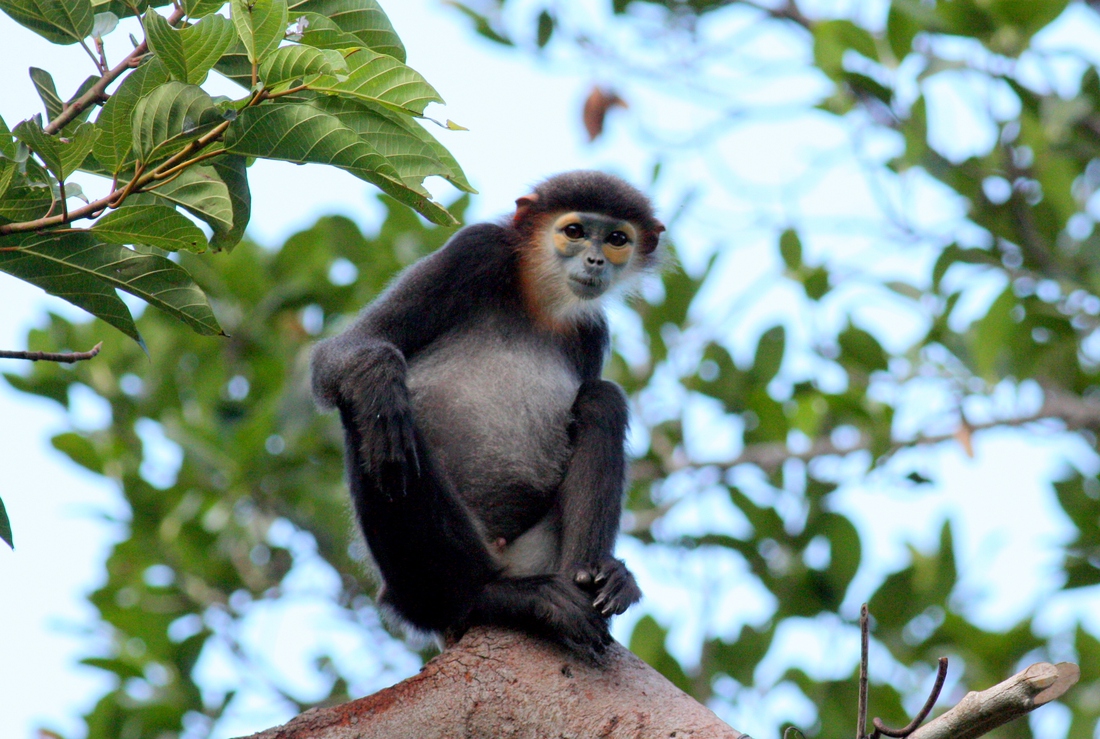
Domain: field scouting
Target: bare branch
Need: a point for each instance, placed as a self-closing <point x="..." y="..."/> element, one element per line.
<point x="979" y="713"/>
<point x="1075" y="412"/>
<point x="67" y="357"/>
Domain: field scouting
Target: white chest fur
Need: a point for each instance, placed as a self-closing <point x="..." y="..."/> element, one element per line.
<point x="495" y="405"/>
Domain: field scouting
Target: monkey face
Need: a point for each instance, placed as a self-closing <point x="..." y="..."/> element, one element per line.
<point x="593" y="251"/>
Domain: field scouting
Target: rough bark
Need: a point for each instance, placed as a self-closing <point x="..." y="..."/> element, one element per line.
<point x="503" y="685"/>
<point x="500" y="684"/>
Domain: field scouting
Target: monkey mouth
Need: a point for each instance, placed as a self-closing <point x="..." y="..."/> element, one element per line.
<point x="586" y="287"/>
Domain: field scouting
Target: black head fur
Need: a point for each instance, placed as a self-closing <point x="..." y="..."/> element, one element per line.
<point x="598" y="192"/>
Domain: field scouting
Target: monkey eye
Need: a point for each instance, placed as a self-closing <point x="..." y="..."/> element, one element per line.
<point x="573" y="231"/>
<point x="617" y="238"/>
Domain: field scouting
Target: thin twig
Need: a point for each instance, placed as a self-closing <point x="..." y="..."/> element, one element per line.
<point x="67" y="357"/>
<point x="864" y="639"/>
<point x="913" y="725"/>
<point x="98" y="91"/>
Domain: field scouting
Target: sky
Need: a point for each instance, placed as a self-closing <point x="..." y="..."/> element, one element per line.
<point x="524" y="124"/>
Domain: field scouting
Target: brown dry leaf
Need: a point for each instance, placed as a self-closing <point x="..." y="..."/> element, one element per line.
<point x="596" y="105"/>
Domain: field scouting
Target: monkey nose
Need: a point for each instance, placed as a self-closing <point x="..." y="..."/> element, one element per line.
<point x="595" y="261"/>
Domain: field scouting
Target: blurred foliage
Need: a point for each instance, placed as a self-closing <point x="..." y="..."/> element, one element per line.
<point x="255" y="456"/>
<point x="259" y="469"/>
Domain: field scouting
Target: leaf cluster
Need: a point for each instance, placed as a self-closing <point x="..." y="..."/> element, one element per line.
<point x="324" y="81"/>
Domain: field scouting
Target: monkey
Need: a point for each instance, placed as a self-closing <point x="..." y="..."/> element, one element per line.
<point x="485" y="456"/>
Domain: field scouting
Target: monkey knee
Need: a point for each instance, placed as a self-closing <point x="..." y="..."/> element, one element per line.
<point x="601" y="401"/>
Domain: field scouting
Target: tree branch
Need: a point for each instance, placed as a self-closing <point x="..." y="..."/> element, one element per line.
<point x="98" y="91"/>
<point x="1075" y="412"/>
<point x="67" y="357"/>
<point x="495" y="682"/>
<point x="980" y="713"/>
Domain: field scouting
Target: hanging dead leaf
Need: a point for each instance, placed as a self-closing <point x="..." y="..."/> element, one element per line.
<point x="596" y="105"/>
<point x="964" y="435"/>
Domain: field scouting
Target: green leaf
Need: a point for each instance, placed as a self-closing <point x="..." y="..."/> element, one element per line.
<point x="1027" y="15"/>
<point x="22" y="203"/>
<point x="103" y="24"/>
<point x="481" y="23"/>
<point x="381" y="79"/>
<point x="62" y="155"/>
<point x="320" y="32"/>
<point x="769" y="354"/>
<point x="648" y="642"/>
<point x="7" y="141"/>
<point x="362" y="19"/>
<point x="118" y="667"/>
<point x="295" y="132"/>
<point x="77" y="448"/>
<point x="151" y="225"/>
<point x="790" y="248"/>
<point x="234" y="64"/>
<point x="65" y="266"/>
<point x="903" y="23"/>
<point x="7" y="174"/>
<point x="232" y="171"/>
<point x="113" y="148"/>
<point x="201" y="192"/>
<point x="816" y="283"/>
<point x="201" y="8"/>
<point x="862" y="349"/>
<point x="189" y="53"/>
<point x="58" y="21"/>
<point x="261" y="25"/>
<point x="295" y="62"/>
<point x="413" y="152"/>
<point x="833" y="38"/>
<point x="989" y="337"/>
<point x="76" y="257"/>
<point x="545" y="29"/>
<point x="204" y="43"/>
<point x="955" y="254"/>
<point x="43" y="83"/>
<point x="169" y="117"/>
<point x="5" y="526"/>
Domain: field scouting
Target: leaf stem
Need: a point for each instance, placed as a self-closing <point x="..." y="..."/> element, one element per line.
<point x="95" y="61"/>
<point x="161" y="174"/>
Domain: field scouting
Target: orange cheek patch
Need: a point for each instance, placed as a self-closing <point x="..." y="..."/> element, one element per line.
<point x="618" y="255"/>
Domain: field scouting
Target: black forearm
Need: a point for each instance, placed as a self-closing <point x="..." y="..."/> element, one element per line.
<point x="591" y="493"/>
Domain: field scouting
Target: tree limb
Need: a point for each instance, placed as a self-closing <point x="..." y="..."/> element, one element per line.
<point x="497" y="683"/>
<point x="67" y="357"/>
<point x="979" y="713"/>
<point x="1075" y="412"/>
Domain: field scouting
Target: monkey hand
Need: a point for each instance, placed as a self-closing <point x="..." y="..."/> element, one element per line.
<point x="611" y="585"/>
<point x="375" y="394"/>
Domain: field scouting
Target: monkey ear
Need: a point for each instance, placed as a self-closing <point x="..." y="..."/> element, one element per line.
<point x="659" y="227"/>
<point x="522" y="206"/>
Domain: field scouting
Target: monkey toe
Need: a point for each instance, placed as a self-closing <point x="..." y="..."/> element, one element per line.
<point x="615" y="588"/>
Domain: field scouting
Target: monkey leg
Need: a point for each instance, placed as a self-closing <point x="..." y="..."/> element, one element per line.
<point x="590" y="498"/>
